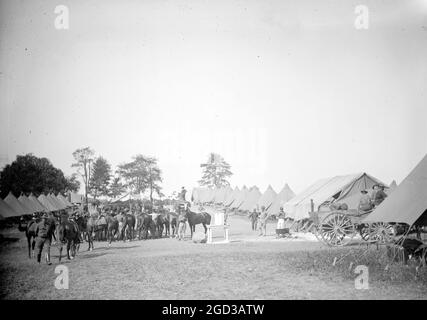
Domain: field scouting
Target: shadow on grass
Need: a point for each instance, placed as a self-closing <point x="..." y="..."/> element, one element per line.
<point x="7" y="240"/>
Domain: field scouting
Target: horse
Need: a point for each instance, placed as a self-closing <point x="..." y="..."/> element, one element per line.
<point x="30" y="230"/>
<point x="112" y="228"/>
<point x="101" y="230"/>
<point x="197" y="218"/>
<point x="145" y="225"/>
<point x="68" y="232"/>
<point x="128" y="230"/>
<point x="170" y="221"/>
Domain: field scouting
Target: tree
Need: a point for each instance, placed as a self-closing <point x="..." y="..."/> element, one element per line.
<point x="28" y="174"/>
<point x="116" y="188"/>
<point x="72" y="183"/>
<point x="100" y="177"/>
<point x="140" y="174"/>
<point x="216" y="171"/>
<point x="83" y="158"/>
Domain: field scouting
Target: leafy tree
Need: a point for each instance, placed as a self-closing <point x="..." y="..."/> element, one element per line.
<point x="140" y="174"/>
<point x="83" y="158"/>
<point x="216" y="171"/>
<point x="29" y="173"/>
<point x="72" y="183"/>
<point x="100" y="177"/>
<point x="116" y="188"/>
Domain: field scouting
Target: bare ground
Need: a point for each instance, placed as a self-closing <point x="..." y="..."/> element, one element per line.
<point x="250" y="267"/>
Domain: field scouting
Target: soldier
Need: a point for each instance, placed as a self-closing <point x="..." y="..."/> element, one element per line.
<point x="263" y="221"/>
<point x="379" y="195"/>
<point x="45" y="230"/>
<point x="365" y="203"/>
<point x="182" y="194"/>
<point x="253" y="216"/>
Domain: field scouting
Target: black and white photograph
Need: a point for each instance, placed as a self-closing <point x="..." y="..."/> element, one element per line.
<point x="213" y="150"/>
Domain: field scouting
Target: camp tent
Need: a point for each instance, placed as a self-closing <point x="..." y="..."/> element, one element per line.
<point x="46" y="203"/>
<point x="240" y="198"/>
<point x="36" y="203"/>
<point x="284" y="196"/>
<point x="251" y="199"/>
<point x="339" y="189"/>
<point x="230" y="198"/>
<point x="222" y="194"/>
<point x="392" y="187"/>
<point x="267" y="198"/>
<point x="7" y="211"/>
<point x="26" y="203"/>
<point x="64" y="200"/>
<point x="17" y="207"/>
<point x="56" y="201"/>
<point x="408" y="202"/>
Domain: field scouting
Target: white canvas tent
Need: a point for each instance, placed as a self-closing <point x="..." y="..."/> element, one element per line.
<point x="17" y="207"/>
<point x="251" y="199"/>
<point x="284" y="196"/>
<point x="232" y="196"/>
<point x="239" y="198"/>
<point x="267" y="198"/>
<point x="7" y="211"/>
<point x="342" y="189"/>
<point x="408" y="202"/>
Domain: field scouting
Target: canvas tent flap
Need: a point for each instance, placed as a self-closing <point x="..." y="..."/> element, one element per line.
<point x="407" y="202"/>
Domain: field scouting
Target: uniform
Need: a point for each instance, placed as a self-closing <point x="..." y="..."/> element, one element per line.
<point x="44" y="231"/>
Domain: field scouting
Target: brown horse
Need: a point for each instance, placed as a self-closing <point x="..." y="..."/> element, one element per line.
<point x="68" y="233"/>
<point x="112" y="228"/>
<point x="30" y="229"/>
<point x="197" y="218"/>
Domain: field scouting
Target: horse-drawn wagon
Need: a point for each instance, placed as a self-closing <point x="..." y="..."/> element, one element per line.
<point x="338" y="226"/>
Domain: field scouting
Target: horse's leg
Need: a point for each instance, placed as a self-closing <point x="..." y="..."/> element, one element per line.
<point x="68" y="249"/>
<point x="60" y="252"/>
<point x="206" y="229"/>
<point x="29" y="246"/>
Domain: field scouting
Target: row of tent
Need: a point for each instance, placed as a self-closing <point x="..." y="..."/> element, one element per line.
<point x="245" y="199"/>
<point x="338" y="189"/>
<point x="14" y="207"/>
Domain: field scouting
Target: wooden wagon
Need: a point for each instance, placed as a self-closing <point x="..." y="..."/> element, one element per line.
<point x="339" y="227"/>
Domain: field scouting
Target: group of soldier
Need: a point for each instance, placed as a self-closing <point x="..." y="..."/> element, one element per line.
<point x="368" y="202"/>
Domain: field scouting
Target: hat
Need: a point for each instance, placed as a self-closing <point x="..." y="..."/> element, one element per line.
<point x="363" y="191"/>
<point x="45" y="215"/>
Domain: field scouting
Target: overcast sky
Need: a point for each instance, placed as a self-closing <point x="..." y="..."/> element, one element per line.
<point x="285" y="91"/>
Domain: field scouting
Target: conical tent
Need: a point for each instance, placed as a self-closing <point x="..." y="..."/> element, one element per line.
<point x="46" y="203"/>
<point x="284" y="196"/>
<point x="267" y="198"/>
<point x="251" y="199"/>
<point x="393" y="186"/>
<point x="56" y="202"/>
<point x="26" y="203"/>
<point x="7" y="211"/>
<point x="36" y="203"/>
<point x="338" y="189"/>
<point x="64" y="200"/>
<point x="16" y="205"/>
<point x="229" y="200"/>
<point x="240" y="198"/>
<point x="222" y="194"/>
<point x="408" y="202"/>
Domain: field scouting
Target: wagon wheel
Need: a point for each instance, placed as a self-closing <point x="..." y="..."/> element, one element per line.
<point x="336" y="229"/>
<point x="364" y="231"/>
<point x="381" y="232"/>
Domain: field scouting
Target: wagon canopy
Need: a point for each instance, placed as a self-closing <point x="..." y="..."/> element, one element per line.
<point x="284" y="196"/>
<point x="408" y="202"/>
<point x="342" y="189"/>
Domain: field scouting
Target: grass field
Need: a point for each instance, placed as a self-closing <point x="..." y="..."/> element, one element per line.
<point x="249" y="267"/>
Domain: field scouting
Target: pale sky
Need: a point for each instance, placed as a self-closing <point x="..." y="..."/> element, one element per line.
<point x="285" y="91"/>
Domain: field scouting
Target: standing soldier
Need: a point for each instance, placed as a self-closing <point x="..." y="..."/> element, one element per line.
<point x="182" y="194"/>
<point x="263" y="222"/>
<point x="182" y="220"/>
<point x="253" y="216"/>
<point x="45" y="230"/>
